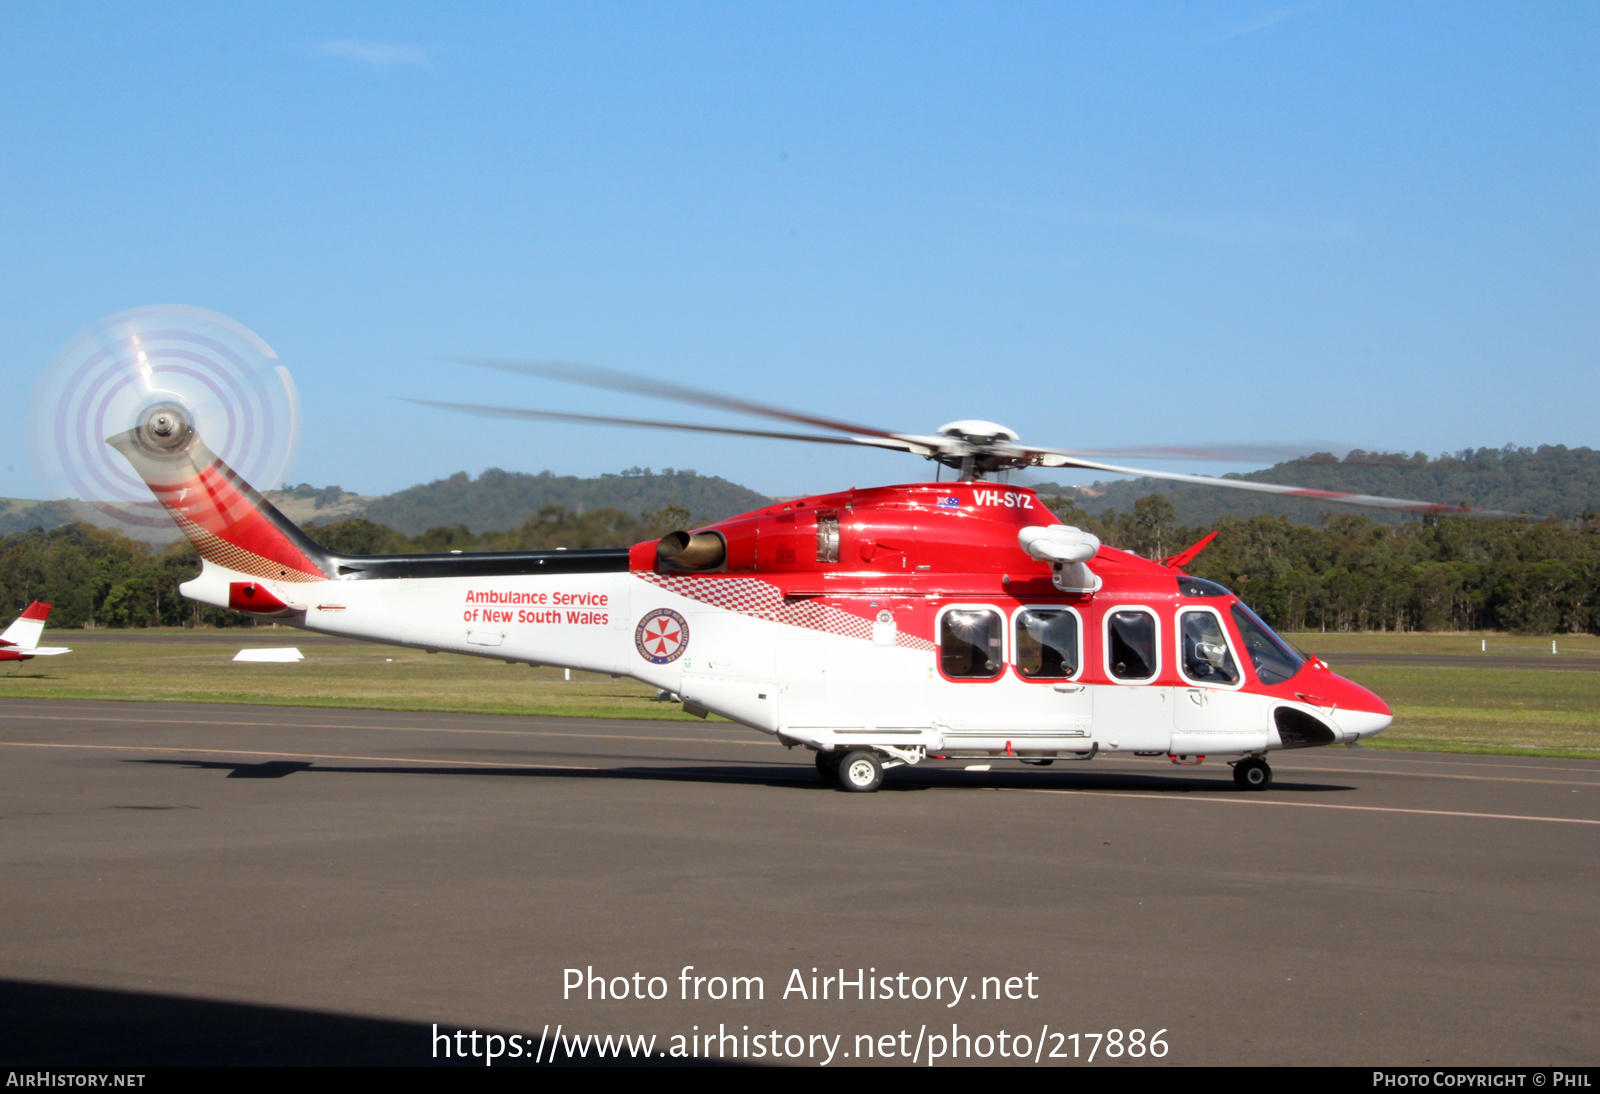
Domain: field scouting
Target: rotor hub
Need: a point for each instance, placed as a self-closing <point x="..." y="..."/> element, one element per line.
<point x="164" y="428"/>
<point x="978" y="431"/>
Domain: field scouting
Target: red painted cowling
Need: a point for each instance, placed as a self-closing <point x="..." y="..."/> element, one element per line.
<point x="917" y="535"/>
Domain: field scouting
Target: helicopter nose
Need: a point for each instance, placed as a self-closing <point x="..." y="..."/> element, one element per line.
<point x="1362" y="714"/>
<point x="1361" y="723"/>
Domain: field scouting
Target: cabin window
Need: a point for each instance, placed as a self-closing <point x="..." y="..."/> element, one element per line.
<point x="1131" y="645"/>
<point x="1206" y="656"/>
<point x="970" y="642"/>
<point x="1274" y="661"/>
<point x="1047" y="644"/>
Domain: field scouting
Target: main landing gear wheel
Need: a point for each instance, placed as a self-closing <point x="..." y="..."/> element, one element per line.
<point x="860" y="771"/>
<point x="1252" y="774"/>
<point x="828" y="764"/>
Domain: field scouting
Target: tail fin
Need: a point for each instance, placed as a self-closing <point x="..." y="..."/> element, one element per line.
<point x="227" y="520"/>
<point x="26" y="631"/>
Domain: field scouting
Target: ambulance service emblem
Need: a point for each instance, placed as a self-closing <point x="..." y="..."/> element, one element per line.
<point x="662" y="636"/>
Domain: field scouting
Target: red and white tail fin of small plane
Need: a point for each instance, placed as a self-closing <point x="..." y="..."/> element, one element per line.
<point x="254" y="557"/>
<point x="21" y="640"/>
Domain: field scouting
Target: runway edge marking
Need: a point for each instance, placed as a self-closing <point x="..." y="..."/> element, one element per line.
<point x="1300" y="805"/>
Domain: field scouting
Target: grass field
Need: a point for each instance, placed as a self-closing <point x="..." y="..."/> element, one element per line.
<point x="1465" y="708"/>
<point x="332" y="675"/>
<point x="1329" y="646"/>
<point x="1445" y="708"/>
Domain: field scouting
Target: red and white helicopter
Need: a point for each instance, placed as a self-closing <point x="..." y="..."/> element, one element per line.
<point x="878" y="627"/>
<point x="20" y="642"/>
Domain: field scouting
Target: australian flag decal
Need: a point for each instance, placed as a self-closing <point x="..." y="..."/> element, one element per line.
<point x="949" y="503"/>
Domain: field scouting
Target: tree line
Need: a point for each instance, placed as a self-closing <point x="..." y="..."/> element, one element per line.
<point x="1350" y="573"/>
<point x="1353" y="573"/>
<point x="98" y="578"/>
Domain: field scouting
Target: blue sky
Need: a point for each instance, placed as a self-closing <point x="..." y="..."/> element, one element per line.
<point x="1102" y="224"/>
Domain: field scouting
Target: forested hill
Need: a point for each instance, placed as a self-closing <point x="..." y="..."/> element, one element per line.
<point x="494" y="501"/>
<point x="1550" y="479"/>
<point x="19" y="514"/>
<point x="500" y="499"/>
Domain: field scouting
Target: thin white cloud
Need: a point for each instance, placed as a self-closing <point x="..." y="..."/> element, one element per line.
<point x="375" y="54"/>
<point x="1260" y="22"/>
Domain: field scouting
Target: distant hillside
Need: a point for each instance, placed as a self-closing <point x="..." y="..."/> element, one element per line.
<point x="1545" y="480"/>
<point x="306" y="503"/>
<point x="494" y="501"/>
<point x="20" y="514"/>
<point x="1550" y="479"/>
<point x="498" y="500"/>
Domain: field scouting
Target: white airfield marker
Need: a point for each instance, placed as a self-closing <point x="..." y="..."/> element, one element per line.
<point x="287" y="653"/>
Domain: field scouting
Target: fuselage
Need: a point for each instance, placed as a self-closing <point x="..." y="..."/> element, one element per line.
<point x="906" y="619"/>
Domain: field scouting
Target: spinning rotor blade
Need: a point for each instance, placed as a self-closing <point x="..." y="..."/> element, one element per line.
<point x="971" y="454"/>
<point x="611" y="379"/>
<point x="1222" y="453"/>
<point x="1051" y="458"/>
<point x="525" y="413"/>
<point x="224" y="378"/>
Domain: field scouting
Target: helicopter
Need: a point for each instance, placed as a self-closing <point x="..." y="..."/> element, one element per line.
<point x="880" y="627"/>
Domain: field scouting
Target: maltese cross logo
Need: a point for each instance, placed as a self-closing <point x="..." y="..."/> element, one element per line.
<point x="661" y="636"/>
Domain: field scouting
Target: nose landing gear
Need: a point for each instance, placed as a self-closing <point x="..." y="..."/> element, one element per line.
<point x="1252" y="774"/>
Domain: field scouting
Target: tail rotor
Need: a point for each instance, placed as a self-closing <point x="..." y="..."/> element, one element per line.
<point x="166" y="373"/>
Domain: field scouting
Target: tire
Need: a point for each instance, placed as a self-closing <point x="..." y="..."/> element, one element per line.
<point x="1252" y="774"/>
<point x="860" y="772"/>
<point x="828" y="764"/>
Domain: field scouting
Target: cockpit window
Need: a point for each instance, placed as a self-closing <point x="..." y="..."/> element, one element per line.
<point x="1131" y="643"/>
<point x="1206" y="656"/>
<point x="1274" y="660"/>
<point x="1199" y="586"/>
<point x="1047" y="644"/>
<point x="970" y="644"/>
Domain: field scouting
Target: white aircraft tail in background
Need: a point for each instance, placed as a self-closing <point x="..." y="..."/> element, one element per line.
<point x="21" y="640"/>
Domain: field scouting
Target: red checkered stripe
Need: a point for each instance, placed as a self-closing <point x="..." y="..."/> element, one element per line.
<point x="216" y="549"/>
<point x="763" y="600"/>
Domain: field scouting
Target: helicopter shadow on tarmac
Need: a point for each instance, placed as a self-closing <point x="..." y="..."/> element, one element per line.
<point x="74" y="1027"/>
<point x="792" y="777"/>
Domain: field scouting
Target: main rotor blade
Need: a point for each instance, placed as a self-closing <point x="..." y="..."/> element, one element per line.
<point x="529" y="414"/>
<point x="942" y="446"/>
<point x="1222" y="453"/>
<point x="614" y="380"/>
<point x="1054" y="458"/>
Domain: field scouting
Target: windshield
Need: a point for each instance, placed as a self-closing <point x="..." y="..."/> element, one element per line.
<point x="1274" y="659"/>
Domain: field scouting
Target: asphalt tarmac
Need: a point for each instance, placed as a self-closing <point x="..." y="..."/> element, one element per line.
<point x="192" y="884"/>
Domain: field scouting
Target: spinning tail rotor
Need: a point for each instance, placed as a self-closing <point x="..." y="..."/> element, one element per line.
<point x="165" y="372"/>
